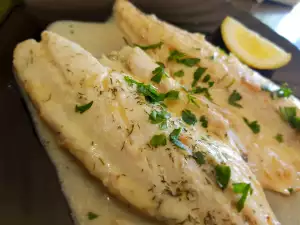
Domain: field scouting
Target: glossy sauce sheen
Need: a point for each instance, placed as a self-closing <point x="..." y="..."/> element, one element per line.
<point x="87" y="196"/>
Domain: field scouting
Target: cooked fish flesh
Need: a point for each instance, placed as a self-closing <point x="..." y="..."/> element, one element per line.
<point x="102" y="117"/>
<point x="272" y="148"/>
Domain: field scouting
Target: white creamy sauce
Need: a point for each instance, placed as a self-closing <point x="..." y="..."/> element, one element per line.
<point x="83" y="192"/>
<point x="97" y="38"/>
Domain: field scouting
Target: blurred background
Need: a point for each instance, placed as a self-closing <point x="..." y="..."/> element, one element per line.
<point x="280" y="15"/>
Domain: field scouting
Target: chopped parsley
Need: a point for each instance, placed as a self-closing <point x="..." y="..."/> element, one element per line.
<point x="203" y="121"/>
<point x="291" y="190"/>
<point x="199" y="158"/>
<point x="179" y="73"/>
<point x="192" y="99"/>
<point x="179" y="58"/>
<point x="254" y="126"/>
<point x="283" y="92"/>
<point x="158" y="73"/>
<point x="175" y="55"/>
<point x="174" y="138"/>
<point x="244" y="189"/>
<point x="158" y="116"/>
<point x="163" y="125"/>
<point x="82" y="108"/>
<point x="153" y="46"/>
<point x="211" y="84"/>
<point x="158" y="140"/>
<point x="223" y="174"/>
<point x="148" y="90"/>
<point x="161" y="64"/>
<point x="188" y="61"/>
<point x="289" y="114"/>
<point x="199" y="90"/>
<point x="234" y="98"/>
<point x="92" y="216"/>
<point x="206" y="78"/>
<point x="279" y="138"/>
<point x="173" y="95"/>
<point x="198" y="74"/>
<point x="202" y="90"/>
<point x="188" y="117"/>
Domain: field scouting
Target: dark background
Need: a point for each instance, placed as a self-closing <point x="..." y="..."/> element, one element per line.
<point x="29" y="191"/>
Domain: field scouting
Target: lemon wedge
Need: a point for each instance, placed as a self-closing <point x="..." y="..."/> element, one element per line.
<point x="251" y="48"/>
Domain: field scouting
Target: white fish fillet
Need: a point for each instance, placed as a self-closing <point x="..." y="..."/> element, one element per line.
<point x="111" y="139"/>
<point x="276" y="165"/>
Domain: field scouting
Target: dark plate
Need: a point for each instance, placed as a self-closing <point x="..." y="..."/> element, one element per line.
<point x="30" y="193"/>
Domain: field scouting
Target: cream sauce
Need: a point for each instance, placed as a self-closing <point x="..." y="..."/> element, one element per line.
<point x="82" y="191"/>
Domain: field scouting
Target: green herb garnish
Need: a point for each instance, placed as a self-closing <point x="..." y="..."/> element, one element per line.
<point x="211" y="84"/>
<point x="179" y="73"/>
<point x="289" y="114"/>
<point x="199" y="158"/>
<point x="234" y="98"/>
<point x="254" y="126"/>
<point x="189" y="61"/>
<point x="203" y="121"/>
<point x="158" y="140"/>
<point x="92" y="216"/>
<point x="223" y="174"/>
<point x="179" y="58"/>
<point x="201" y="90"/>
<point x="173" y="95"/>
<point x="82" y="108"/>
<point x="206" y="78"/>
<point x="159" y="73"/>
<point x="192" y="99"/>
<point x="163" y="125"/>
<point x="283" y="92"/>
<point x="198" y="74"/>
<point x="149" y="91"/>
<point x="175" y="55"/>
<point x="153" y="46"/>
<point x="158" y="116"/>
<point x="291" y="190"/>
<point x="244" y="189"/>
<point x="279" y="138"/>
<point x="161" y="64"/>
<point x="188" y="117"/>
<point x="174" y="135"/>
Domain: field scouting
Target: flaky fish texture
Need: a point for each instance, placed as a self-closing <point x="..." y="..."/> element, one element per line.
<point x="99" y="116"/>
<point x="272" y="150"/>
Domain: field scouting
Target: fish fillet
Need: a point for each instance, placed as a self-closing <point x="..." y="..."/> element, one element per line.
<point x="276" y="165"/>
<point x="111" y="139"/>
